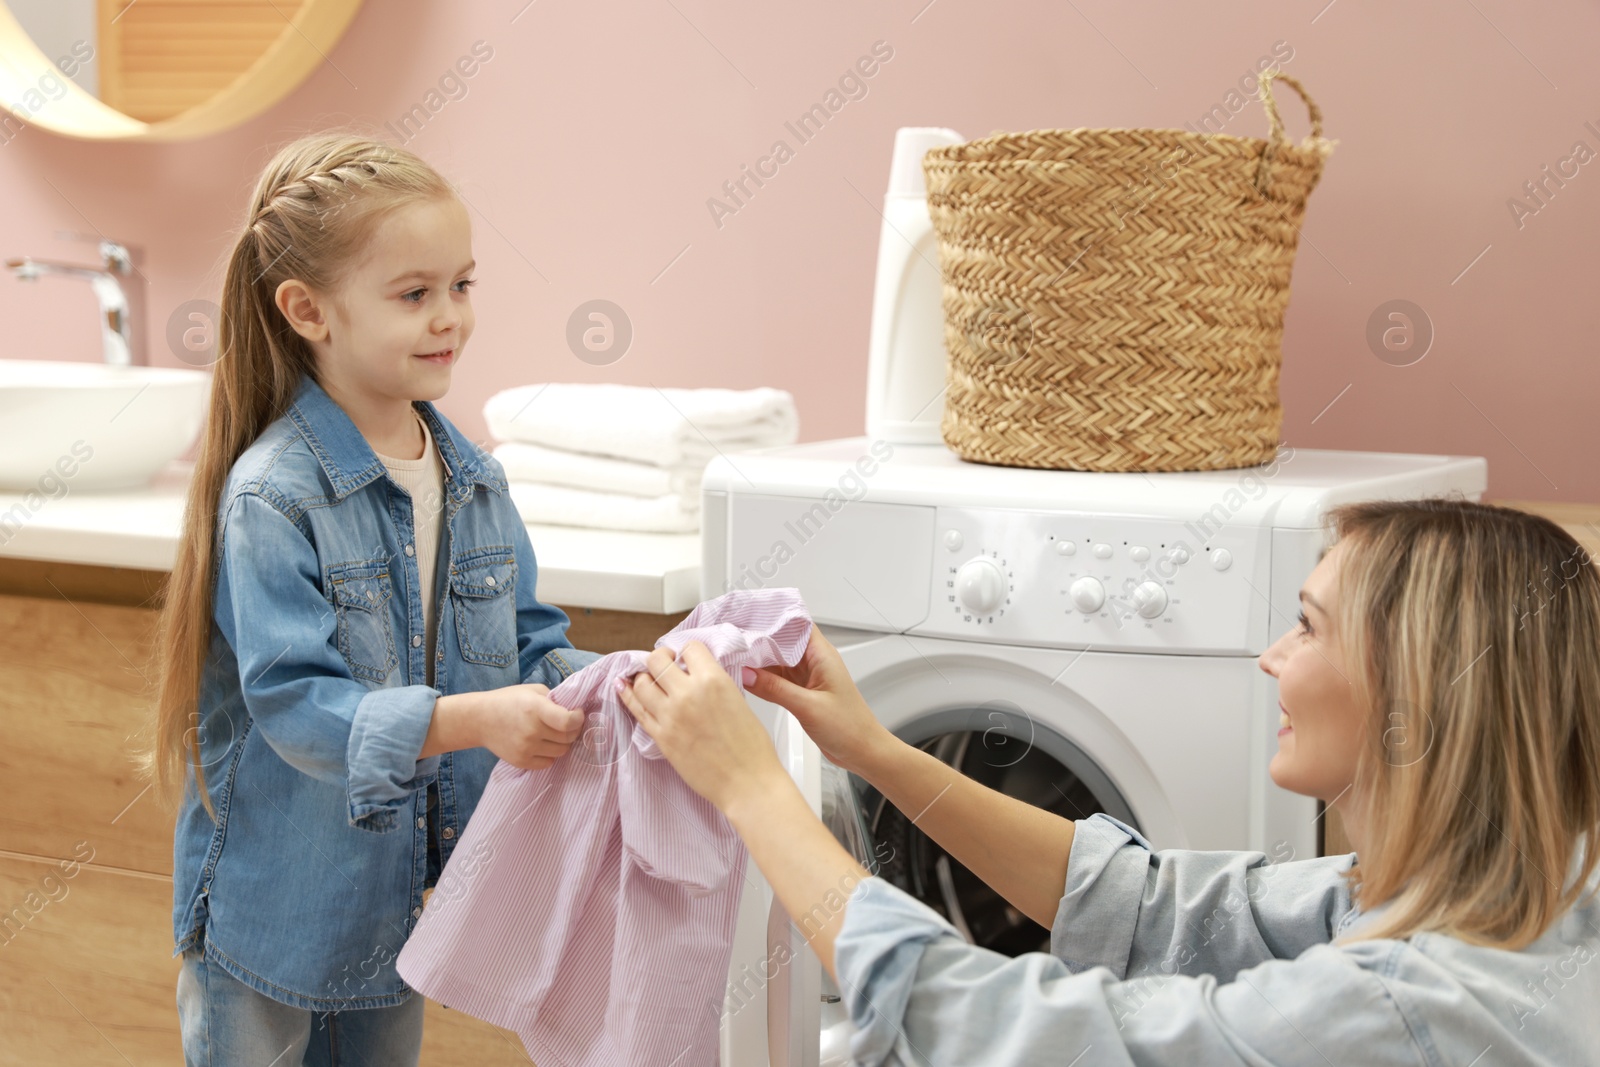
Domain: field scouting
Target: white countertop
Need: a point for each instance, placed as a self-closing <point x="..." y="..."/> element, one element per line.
<point x="138" y="528"/>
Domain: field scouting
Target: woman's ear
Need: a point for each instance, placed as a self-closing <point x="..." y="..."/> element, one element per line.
<point x="302" y="308"/>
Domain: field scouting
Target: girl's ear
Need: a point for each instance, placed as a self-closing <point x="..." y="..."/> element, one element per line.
<point x="300" y="306"/>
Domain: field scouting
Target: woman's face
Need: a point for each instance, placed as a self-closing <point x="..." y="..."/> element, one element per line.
<point x="1321" y="728"/>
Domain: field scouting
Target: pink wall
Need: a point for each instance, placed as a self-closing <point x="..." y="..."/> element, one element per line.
<point x="590" y="142"/>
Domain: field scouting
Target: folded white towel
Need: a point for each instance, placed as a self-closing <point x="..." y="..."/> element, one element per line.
<point x="554" y="466"/>
<point x="665" y="427"/>
<point x="563" y="506"/>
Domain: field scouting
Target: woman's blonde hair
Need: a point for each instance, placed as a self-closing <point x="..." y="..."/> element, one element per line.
<point x="311" y="217"/>
<point x="1472" y="634"/>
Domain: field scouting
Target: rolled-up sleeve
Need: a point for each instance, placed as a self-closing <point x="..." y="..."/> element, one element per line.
<point x="918" y="994"/>
<point x="296" y="685"/>
<point x="1137" y="911"/>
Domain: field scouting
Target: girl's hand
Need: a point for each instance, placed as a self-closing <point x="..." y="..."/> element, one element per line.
<point x="819" y="693"/>
<point x="701" y="723"/>
<point x="524" y="727"/>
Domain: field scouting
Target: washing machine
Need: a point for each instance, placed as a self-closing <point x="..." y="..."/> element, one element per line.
<point x="1082" y="641"/>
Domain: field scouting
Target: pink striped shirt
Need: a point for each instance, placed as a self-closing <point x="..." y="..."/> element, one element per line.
<point x="590" y="906"/>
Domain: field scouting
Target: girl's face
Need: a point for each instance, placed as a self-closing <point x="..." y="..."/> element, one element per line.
<point x="406" y="299"/>
<point x="1321" y="728"/>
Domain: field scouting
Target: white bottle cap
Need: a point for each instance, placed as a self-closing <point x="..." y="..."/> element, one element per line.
<point x="910" y="144"/>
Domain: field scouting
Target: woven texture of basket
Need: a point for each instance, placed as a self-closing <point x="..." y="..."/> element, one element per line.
<point x="1114" y="298"/>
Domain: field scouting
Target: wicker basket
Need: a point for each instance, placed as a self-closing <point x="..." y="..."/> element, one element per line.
<point x="1114" y="299"/>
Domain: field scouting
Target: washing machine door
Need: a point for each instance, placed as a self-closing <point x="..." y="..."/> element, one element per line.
<point x="782" y="1008"/>
<point x="808" y="1024"/>
<point x="1008" y="751"/>
<point x="805" y="1022"/>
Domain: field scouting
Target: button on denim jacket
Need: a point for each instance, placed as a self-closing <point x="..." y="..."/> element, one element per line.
<point x="312" y="708"/>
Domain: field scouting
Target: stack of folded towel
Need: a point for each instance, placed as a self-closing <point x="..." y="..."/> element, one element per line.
<point x="625" y="457"/>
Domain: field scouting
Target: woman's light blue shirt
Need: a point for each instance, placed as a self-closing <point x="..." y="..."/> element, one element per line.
<point x="312" y="711"/>
<point x="1210" y="959"/>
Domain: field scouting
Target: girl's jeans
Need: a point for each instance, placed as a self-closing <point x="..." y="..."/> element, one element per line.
<point x="226" y="1023"/>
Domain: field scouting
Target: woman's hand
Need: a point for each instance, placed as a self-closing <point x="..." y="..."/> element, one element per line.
<point x="819" y="693"/>
<point x="700" y="721"/>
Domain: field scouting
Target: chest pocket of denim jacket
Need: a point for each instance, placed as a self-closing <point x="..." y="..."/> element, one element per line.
<point x="361" y="602"/>
<point x="483" y="589"/>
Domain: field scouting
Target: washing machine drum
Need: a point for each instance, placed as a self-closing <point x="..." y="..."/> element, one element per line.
<point x="1006" y="750"/>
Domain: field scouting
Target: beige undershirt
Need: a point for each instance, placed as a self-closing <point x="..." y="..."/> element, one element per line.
<point x="423" y="478"/>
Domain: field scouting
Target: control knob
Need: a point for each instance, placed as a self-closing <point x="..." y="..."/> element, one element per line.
<point x="981" y="585"/>
<point x="1088" y="594"/>
<point x="1149" y="599"/>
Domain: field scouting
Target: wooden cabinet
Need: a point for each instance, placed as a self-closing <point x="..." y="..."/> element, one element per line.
<point x="86" y="974"/>
<point x="74" y="689"/>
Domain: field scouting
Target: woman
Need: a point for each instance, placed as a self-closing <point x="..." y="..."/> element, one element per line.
<point x="1441" y="692"/>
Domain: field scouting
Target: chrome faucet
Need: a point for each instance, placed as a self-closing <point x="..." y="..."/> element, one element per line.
<point x="120" y="288"/>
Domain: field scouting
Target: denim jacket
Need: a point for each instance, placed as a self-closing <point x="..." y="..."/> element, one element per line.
<point x="312" y="711"/>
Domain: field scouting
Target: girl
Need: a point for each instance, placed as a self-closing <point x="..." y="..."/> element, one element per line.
<point x="350" y="637"/>
<point x="1442" y="692"/>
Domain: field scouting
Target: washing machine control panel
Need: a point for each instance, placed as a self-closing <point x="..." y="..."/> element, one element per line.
<point x="1104" y="581"/>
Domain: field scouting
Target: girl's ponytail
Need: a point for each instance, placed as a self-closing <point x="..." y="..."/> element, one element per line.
<point x="312" y="212"/>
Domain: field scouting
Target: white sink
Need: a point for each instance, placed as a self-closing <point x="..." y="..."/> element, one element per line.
<point x="91" y="426"/>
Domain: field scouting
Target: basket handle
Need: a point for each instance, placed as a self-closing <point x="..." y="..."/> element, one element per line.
<point x="1275" y="134"/>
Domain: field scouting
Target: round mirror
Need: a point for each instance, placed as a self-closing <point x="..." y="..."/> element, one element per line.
<point x="156" y="70"/>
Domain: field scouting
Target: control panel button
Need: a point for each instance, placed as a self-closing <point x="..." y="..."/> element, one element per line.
<point x="1222" y="559"/>
<point x="1087" y="594"/>
<point x="981" y="585"/>
<point x="1149" y="599"/>
<point x="1179" y="556"/>
<point x="953" y="540"/>
<point x="1138" y="553"/>
<point x="1066" y="548"/>
<point x="1102" y="551"/>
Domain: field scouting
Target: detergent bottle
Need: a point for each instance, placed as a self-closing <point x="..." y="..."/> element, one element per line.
<point x="906" y="355"/>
